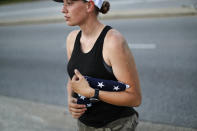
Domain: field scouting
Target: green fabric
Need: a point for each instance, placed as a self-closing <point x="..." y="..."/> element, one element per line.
<point x="123" y="124"/>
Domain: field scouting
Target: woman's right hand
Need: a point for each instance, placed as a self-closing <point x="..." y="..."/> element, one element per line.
<point x="75" y="109"/>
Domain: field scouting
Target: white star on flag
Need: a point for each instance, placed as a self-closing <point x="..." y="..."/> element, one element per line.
<point x="116" y="88"/>
<point x="82" y="97"/>
<point x="89" y="105"/>
<point x="100" y="84"/>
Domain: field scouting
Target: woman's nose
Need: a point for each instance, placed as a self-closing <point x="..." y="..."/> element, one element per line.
<point x="64" y="9"/>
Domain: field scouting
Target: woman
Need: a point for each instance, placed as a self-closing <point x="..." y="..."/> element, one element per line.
<point x="99" y="51"/>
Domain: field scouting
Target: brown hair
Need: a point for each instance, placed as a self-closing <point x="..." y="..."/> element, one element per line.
<point x="104" y="9"/>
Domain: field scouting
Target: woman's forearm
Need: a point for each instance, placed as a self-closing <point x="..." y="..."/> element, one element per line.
<point x="123" y="98"/>
<point x="69" y="90"/>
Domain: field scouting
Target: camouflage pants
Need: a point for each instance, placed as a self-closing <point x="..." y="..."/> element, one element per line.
<point x="123" y="124"/>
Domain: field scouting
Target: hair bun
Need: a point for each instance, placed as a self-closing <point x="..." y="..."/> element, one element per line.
<point x="105" y="7"/>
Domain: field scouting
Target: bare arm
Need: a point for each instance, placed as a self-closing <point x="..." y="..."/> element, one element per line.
<point x="69" y="48"/>
<point x="69" y="90"/>
<point x="124" y="69"/>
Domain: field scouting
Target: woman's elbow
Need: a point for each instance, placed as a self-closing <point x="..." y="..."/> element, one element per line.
<point x="135" y="98"/>
<point x="136" y="101"/>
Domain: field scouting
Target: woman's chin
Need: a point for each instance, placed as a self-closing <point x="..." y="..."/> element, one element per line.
<point x="70" y="24"/>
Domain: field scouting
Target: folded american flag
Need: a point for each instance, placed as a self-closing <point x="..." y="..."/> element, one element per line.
<point x="101" y="84"/>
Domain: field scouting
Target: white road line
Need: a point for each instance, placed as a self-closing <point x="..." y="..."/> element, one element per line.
<point x="142" y="46"/>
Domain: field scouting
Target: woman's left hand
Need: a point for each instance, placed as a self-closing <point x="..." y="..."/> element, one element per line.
<point x="80" y="85"/>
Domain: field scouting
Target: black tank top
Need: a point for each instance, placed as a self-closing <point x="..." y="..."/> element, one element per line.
<point x="91" y="64"/>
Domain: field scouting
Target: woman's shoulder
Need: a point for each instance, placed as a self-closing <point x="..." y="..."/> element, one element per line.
<point x="72" y="36"/>
<point x="70" y="41"/>
<point x="115" y="46"/>
<point x="114" y="40"/>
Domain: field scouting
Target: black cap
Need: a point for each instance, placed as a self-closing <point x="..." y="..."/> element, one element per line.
<point x="58" y="0"/>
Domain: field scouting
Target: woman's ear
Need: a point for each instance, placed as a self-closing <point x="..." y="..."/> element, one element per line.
<point x="90" y="6"/>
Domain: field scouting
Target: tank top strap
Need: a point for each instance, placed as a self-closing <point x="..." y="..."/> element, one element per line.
<point x="77" y="42"/>
<point x="99" y="43"/>
<point x="103" y="34"/>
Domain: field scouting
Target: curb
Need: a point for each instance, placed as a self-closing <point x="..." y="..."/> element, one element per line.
<point x="151" y="13"/>
<point x="145" y="13"/>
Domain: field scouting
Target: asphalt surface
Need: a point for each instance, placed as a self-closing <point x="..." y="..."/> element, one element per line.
<point x="21" y="115"/>
<point x="49" y="12"/>
<point x="33" y="65"/>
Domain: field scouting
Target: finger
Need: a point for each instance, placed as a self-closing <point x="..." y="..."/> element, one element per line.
<point x="77" y="114"/>
<point x="74" y="100"/>
<point x="75" y="117"/>
<point x="73" y="104"/>
<point x="78" y="74"/>
<point x="76" y="106"/>
<point x="82" y="110"/>
<point x="75" y="78"/>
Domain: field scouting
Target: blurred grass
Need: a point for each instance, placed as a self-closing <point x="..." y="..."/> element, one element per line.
<point x="3" y="2"/>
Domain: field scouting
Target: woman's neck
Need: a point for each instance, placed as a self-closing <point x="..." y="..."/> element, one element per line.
<point x="91" y="28"/>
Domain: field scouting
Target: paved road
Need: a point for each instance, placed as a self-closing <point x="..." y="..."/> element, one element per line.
<point x="33" y="65"/>
<point x="48" y="8"/>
